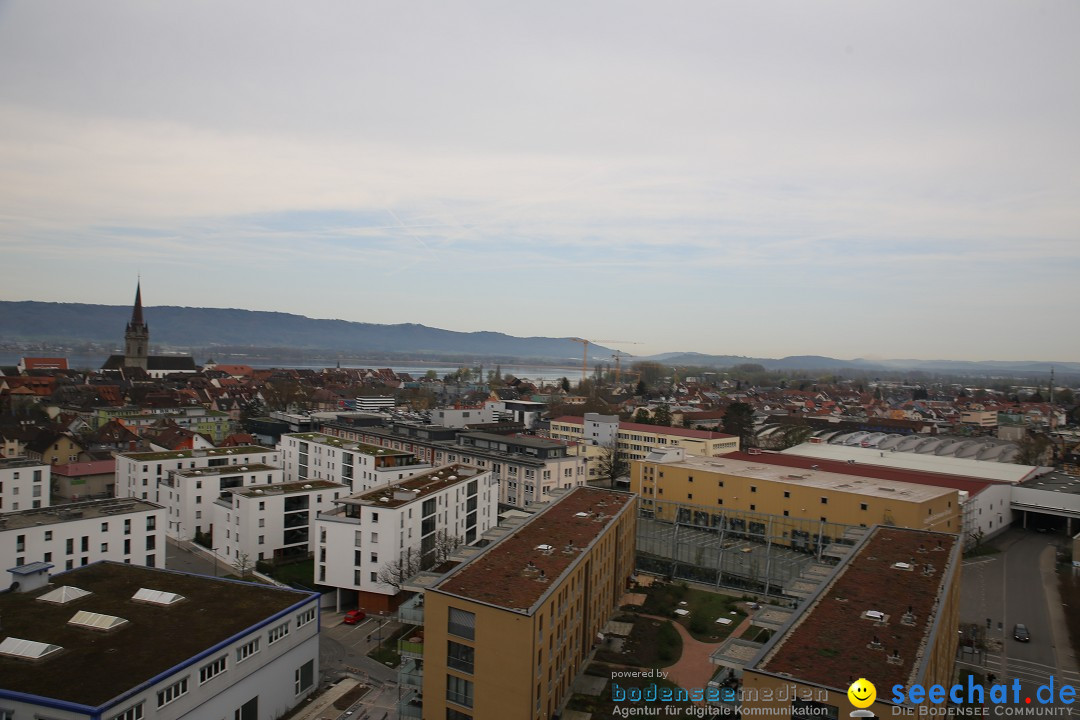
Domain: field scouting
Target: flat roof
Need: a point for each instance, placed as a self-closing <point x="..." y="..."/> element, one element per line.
<point x="1053" y="482"/>
<point x="981" y="469"/>
<point x="15" y="463"/>
<point x="95" y="667"/>
<point x="654" y="429"/>
<point x="286" y="488"/>
<point x="206" y="452"/>
<point x="551" y="540"/>
<point x="74" y="511"/>
<point x="919" y="477"/>
<point x="419" y="486"/>
<point x="522" y="440"/>
<point x="830" y="640"/>
<point x="224" y="470"/>
<point x="757" y="469"/>
<point x="344" y="444"/>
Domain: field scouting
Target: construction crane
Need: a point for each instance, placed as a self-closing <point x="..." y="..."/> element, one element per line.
<point x="585" y="352"/>
<point x="618" y="355"/>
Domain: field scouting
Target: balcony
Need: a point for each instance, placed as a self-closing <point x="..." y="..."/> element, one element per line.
<point x="411" y="612"/>
<point x="412" y="646"/>
<point x="411" y="705"/>
<point x="411" y="674"/>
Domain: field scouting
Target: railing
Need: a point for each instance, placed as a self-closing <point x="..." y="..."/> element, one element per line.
<point x="413" y="678"/>
<point x="411" y="705"/>
<point x="411" y="612"/>
<point x="411" y="648"/>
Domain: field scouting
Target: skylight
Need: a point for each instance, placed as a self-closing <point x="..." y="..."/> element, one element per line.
<point x="27" y="649"/>
<point x="96" y="621"/>
<point x="156" y="597"/>
<point x="64" y="594"/>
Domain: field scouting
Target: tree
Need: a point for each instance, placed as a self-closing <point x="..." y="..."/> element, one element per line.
<point x="739" y="421"/>
<point x="1032" y="449"/>
<point x="640" y="389"/>
<point x="662" y="416"/>
<point x="796" y="433"/>
<point x="565" y="384"/>
<point x="651" y="372"/>
<point x="395" y="573"/>
<point x="642" y="416"/>
<point x="444" y="546"/>
<point x="243" y="565"/>
<point x="252" y="409"/>
<point x="431" y="375"/>
<point x="609" y="466"/>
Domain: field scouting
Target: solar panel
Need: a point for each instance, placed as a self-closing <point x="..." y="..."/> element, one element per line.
<point x="97" y="621"/>
<point x="156" y="597"/>
<point x="27" y="649"/>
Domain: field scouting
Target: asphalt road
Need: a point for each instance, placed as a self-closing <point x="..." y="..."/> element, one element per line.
<point x="1009" y="588"/>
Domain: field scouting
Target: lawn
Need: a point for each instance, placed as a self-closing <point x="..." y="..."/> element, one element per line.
<point x="301" y="573"/>
<point x="705" y="607"/>
<point x="387" y="653"/>
<point x="652" y="644"/>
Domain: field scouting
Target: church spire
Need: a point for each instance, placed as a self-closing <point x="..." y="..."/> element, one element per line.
<point x="136" y="312"/>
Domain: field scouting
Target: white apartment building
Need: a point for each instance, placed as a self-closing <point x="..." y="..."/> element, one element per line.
<point x="76" y="534"/>
<point x="527" y="469"/>
<point x="139" y="474"/>
<point x="419" y="520"/>
<point x="24" y="484"/>
<point x="315" y="456"/>
<point x="189" y="495"/>
<point x="271" y="522"/>
<point x="118" y="642"/>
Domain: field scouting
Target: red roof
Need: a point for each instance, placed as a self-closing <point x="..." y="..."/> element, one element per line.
<point x="45" y="363"/>
<point x="919" y="477"/>
<point x="95" y="467"/>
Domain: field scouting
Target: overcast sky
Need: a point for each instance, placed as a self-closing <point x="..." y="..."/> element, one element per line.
<point x="850" y="179"/>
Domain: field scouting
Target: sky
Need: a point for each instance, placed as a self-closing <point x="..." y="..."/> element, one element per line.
<point x="759" y="178"/>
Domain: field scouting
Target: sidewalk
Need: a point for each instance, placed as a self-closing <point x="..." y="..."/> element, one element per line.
<point x="321" y="708"/>
<point x="1064" y="652"/>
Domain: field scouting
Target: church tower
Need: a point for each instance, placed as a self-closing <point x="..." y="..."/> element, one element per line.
<point x="137" y="335"/>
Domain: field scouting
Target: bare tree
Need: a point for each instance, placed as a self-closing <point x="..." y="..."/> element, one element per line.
<point x="445" y="545"/>
<point x="395" y="573"/>
<point x="243" y="565"/>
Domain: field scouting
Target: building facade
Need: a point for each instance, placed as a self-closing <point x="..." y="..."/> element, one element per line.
<point x="132" y="643"/>
<point x="361" y="467"/>
<point x="371" y="542"/>
<point x="633" y="441"/>
<point x="506" y="632"/>
<point x="77" y="534"/>
<point x="24" y="484"/>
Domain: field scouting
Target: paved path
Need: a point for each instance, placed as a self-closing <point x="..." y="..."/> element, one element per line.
<point x="692" y="669"/>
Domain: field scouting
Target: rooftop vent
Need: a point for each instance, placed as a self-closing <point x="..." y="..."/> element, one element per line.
<point x="875" y="615"/>
<point x="27" y="649"/>
<point x="902" y="566"/>
<point x="546" y="549"/>
<point x="64" y="594"/>
<point x="156" y="597"/>
<point x="581" y="514"/>
<point x="96" y="621"/>
<point x="307" y="487"/>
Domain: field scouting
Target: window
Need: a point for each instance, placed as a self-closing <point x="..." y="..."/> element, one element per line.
<point x="85" y="544"/>
<point x="48" y="535"/>
<point x="277" y="633"/>
<point x="459" y="690"/>
<point x="753" y="488"/>
<point x="248" y="711"/>
<point x="262" y="539"/>
<point x="374" y="517"/>
<point x="689" y="496"/>
<point x="374" y="557"/>
<point x="127" y="527"/>
<point x="462" y="623"/>
<point x="151" y="542"/>
<point x="824" y="501"/>
<point x="212" y="669"/>
<point x="151" y="523"/>
<point x="787" y="494"/>
<point x="452" y="714"/>
<point x="374" y="537"/>
<point x="305" y="617"/>
<point x="245" y="651"/>
<point x="166" y="696"/>
<point x="305" y="677"/>
<point x="69" y="546"/>
<point x="459" y="657"/>
<point x="127" y="547"/>
<point x="863" y="506"/>
<point x="134" y="712"/>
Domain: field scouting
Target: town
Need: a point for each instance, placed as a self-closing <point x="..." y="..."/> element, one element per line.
<point x="198" y="537"/>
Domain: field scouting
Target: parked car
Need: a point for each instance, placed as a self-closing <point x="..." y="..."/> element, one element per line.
<point x="353" y="616"/>
<point x="1020" y="632"/>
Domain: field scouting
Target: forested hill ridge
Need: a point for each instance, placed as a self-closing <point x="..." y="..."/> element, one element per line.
<point x="207" y="327"/>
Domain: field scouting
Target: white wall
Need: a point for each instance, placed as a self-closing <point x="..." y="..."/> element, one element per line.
<point x="23" y="485"/>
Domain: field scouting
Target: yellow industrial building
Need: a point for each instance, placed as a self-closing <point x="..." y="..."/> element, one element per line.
<point x="738" y="484"/>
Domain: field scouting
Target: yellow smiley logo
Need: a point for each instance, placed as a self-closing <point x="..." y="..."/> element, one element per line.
<point x="862" y="693"/>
